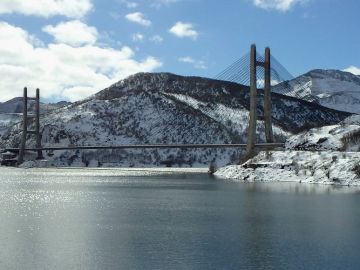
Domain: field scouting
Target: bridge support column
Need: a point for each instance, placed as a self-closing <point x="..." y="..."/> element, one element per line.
<point x="250" y="147"/>
<point x="267" y="98"/>
<point x="37" y="124"/>
<point x="24" y="129"/>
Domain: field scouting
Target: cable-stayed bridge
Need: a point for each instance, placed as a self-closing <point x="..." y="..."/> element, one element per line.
<point x="255" y="75"/>
<point x="282" y="81"/>
<point x="239" y="72"/>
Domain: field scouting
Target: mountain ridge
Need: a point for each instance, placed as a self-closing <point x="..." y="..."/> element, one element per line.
<point x="164" y="108"/>
<point x="331" y="88"/>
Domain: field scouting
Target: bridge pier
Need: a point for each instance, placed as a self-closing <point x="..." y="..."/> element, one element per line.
<point x="253" y="105"/>
<point x="250" y="148"/>
<point x="25" y="130"/>
<point x="37" y="124"/>
<point x="267" y="98"/>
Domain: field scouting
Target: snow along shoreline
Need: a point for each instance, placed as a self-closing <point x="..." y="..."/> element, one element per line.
<point x="325" y="167"/>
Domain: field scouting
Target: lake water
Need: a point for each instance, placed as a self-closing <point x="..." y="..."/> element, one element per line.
<point x="119" y="219"/>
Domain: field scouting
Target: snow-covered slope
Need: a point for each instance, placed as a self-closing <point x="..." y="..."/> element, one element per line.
<point x="15" y="105"/>
<point x="165" y="108"/>
<point x="327" y="155"/>
<point x="11" y="111"/>
<point x="7" y="120"/>
<point x="342" y="137"/>
<point x="331" y="88"/>
<point x="328" y="167"/>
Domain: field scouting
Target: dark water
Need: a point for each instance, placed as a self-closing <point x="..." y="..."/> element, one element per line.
<point x="76" y="219"/>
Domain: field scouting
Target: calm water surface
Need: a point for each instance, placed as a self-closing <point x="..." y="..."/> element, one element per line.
<point x="118" y="219"/>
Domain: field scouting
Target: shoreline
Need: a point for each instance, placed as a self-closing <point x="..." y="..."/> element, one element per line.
<point x="233" y="173"/>
<point x="325" y="167"/>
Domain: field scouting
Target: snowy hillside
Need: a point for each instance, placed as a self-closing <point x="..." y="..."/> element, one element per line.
<point x="7" y="120"/>
<point x="11" y="111"/>
<point x="165" y="108"/>
<point x="331" y="88"/>
<point x="342" y="137"/>
<point x="327" y="155"/>
<point x="328" y="167"/>
<point x="15" y="105"/>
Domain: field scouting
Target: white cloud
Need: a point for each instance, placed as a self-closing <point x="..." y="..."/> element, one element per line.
<point x="114" y="15"/>
<point x="186" y="59"/>
<point x="47" y="8"/>
<point x="59" y="70"/>
<point x="183" y="30"/>
<point x="160" y="3"/>
<point x="354" y="70"/>
<point x="139" y="18"/>
<point x="281" y="5"/>
<point x="74" y="33"/>
<point x="131" y="4"/>
<point x="157" y="39"/>
<point x="128" y="4"/>
<point x="138" y="37"/>
<point x="198" y="64"/>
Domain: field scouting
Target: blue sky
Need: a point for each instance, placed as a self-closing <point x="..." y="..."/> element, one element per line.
<point x="73" y="48"/>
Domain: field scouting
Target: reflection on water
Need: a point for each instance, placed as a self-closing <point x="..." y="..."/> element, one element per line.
<point x="161" y="219"/>
<point x="302" y="188"/>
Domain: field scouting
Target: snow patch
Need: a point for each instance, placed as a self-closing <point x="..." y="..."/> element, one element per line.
<point x="342" y="137"/>
<point x="332" y="168"/>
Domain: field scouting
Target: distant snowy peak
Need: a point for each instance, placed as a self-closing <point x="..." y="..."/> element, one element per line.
<point x="154" y="82"/>
<point x="15" y="105"/>
<point x="331" y="88"/>
<point x="333" y="73"/>
<point x="11" y="111"/>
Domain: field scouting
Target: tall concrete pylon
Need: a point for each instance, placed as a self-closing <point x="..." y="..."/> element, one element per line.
<point x="267" y="97"/>
<point x="37" y="124"/>
<point x="251" y="140"/>
<point x="253" y="104"/>
<point x="24" y="128"/>
<point x="25" y="131"/>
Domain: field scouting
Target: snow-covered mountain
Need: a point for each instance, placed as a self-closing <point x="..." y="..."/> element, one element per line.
<point x="11" y="111"/>
<point x="15" y="105"/>
<point x="7" y="120"/>
<point x="159" y="108"/>
<point x="331" y="88"/>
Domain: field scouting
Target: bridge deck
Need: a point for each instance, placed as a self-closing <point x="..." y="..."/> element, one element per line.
<point x="150" y="146"/>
